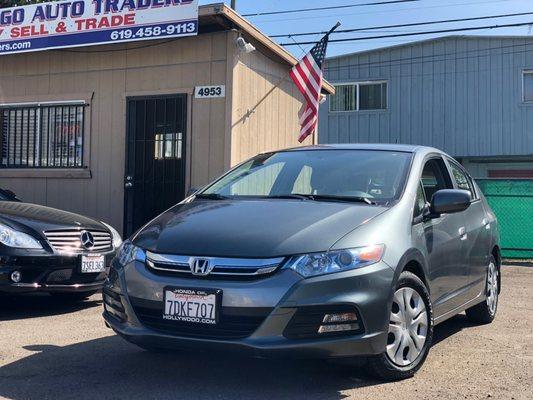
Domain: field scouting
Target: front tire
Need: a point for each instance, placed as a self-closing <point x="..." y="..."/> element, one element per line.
<point x="485" y="312"/>
<point x="410" y="331"/>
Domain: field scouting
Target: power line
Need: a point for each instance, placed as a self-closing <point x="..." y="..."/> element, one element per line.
<point x="433" y="57"/>
<point x="376" y="3"/>
<point x="442" y="21"/>
<point x="381" y="11"/>
<point x="353" y="39"/>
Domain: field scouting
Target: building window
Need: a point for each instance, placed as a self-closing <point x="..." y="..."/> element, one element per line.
<point x="359" y="96"/>
<point x="42" y="135"/>
<point x="527" y="86"/>
<point x="168" y="145"/>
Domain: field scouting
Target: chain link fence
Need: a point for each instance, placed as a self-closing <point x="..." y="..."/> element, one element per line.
<point x="512" y="202"/>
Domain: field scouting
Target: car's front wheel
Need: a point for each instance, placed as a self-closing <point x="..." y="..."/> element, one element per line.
<point x="410" y="331"/>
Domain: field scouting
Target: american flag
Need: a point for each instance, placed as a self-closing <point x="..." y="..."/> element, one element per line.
<point x="307" y="75"/>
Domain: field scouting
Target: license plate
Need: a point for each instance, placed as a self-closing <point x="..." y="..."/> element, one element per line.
<point x="198" y="306"/>
<point x="92" y="263"/>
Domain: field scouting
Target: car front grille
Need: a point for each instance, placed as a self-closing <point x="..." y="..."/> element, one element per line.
<point x="69" y="240"/>
<point x="234" y="322"/>
<point x="220" y="268"/>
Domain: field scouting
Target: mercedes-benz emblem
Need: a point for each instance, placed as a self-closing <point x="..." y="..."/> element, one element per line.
<point x="87" y="240"/>
<point x="200" y="266"/>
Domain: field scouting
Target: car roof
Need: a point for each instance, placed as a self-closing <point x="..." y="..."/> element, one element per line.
<point x="408" y="148"/>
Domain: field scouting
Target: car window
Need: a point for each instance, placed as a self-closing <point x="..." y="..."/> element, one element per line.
<point x="435" y="177"/>
<point x="258" y="182"/>
<point x="461" y="179"/>
<point x="374" y="174"/>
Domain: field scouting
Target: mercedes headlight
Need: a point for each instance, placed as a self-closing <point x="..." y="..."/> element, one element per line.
<point x="129" y="252"/>
<point x="117" y="240"/>
<point x="12" y="238"/>
<point x="329" y="262"/>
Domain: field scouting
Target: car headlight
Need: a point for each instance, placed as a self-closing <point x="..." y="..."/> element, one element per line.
<point x="12" y="238"/>
<point x="330" y="262"/>
<point x="117" y="240"/>
<point x="129" y="252"/>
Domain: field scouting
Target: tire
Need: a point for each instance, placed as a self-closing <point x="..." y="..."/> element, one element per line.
<point x="409" y="338"/>
<point x="81" y="296"/>
<point x="485" y="312"/>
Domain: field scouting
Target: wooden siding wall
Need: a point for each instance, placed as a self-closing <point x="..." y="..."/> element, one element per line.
<point x="273" y="124"/>
<point x="171" y="67"/>
<point x="462" y="95"/>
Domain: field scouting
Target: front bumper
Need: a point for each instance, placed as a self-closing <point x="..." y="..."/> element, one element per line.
<point x="48" y="273"/>
<point x="277" y="298"/>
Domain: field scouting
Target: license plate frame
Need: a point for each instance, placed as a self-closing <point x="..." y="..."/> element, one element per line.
<point x="87" y="263"/>
<point x="189" y="295"/>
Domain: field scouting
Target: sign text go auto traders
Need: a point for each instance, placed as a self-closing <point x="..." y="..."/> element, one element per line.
<point x="88" y="22"/>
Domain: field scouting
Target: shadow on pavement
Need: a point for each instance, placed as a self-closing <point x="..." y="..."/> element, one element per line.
<point x="111" y="368"/>
<point x="451" y="327"/>
<point x="42" y="305"/>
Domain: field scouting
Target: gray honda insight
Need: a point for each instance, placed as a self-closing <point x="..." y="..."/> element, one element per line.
<point x="320" y="251"/>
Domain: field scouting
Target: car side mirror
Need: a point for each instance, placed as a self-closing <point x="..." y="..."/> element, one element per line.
<point x="449" y="201"/>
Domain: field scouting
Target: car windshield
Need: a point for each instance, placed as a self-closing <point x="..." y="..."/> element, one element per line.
<point x="371" y="176"/>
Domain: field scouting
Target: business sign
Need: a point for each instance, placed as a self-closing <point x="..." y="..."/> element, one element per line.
<point x="77" y="23"/>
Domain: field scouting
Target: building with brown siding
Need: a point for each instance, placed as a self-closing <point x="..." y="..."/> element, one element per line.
<point x="116" y="131"/>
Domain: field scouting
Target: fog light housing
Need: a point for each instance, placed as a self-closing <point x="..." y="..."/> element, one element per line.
<point x="339" y="322"/>
<point x="16" y="276"/>
<point x="338" y="328"/>
<point x="343" y="317"/>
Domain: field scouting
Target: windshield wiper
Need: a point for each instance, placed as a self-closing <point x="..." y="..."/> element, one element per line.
<point x="318" y="197"/>
<point x="292" y="196"/>
<point x="211" y="196"/>
<point x="354" y="199"/>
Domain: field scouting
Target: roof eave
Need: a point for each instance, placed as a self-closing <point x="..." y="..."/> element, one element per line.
<point x="256" y="34"/>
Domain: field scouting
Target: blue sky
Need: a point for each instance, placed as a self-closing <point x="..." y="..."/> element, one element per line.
<point x="418" y="11"/>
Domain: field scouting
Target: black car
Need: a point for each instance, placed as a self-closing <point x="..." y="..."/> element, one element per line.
<point x="43" y="249"/>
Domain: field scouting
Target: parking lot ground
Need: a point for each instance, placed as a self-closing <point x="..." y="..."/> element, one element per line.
<point x="52" y="350"/>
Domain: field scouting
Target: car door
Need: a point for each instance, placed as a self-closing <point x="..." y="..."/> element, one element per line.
<point x="476" y="238"/>
<point x="441" y="240"/>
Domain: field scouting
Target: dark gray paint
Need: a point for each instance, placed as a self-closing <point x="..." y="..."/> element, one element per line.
<point x="454" y="265"/>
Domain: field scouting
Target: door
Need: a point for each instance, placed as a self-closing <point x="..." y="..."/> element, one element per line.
<point x="477" y="239"/>
<point x="442" y="239"/>
<point x="155" y="157"/>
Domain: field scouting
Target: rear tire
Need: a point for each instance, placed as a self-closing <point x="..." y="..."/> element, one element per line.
<point x="74" y="297"/>
<point x="410" y="331"/>
<point x="485" y="312"/>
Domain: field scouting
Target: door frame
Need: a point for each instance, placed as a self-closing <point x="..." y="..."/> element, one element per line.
<point x="156" y="94"/>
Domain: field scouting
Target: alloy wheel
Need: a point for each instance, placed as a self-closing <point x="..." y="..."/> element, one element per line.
<point x="492" y="288"/>
<point x="408" y="327"/>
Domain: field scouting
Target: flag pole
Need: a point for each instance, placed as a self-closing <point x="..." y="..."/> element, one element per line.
<point x="249" y="112"/>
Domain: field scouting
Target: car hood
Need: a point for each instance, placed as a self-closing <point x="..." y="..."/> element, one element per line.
<point x="41" y="218"/>
<point x="252" y="228"/>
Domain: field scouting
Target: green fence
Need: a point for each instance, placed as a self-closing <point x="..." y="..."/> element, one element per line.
<point x="512" y="202"/>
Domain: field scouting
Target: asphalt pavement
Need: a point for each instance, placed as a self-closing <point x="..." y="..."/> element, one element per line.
<point x="53" y="350"/>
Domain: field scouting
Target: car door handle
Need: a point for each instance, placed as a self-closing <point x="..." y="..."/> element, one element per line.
<point x="462" y="233"/>
<point x="486" y="223"/>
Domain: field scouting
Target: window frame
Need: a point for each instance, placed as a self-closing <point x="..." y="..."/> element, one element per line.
<point x="38" y="107"/>
<point x="524" y="73"/>
<point x="357" y="85"/>
<point x="451" y="162"/>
